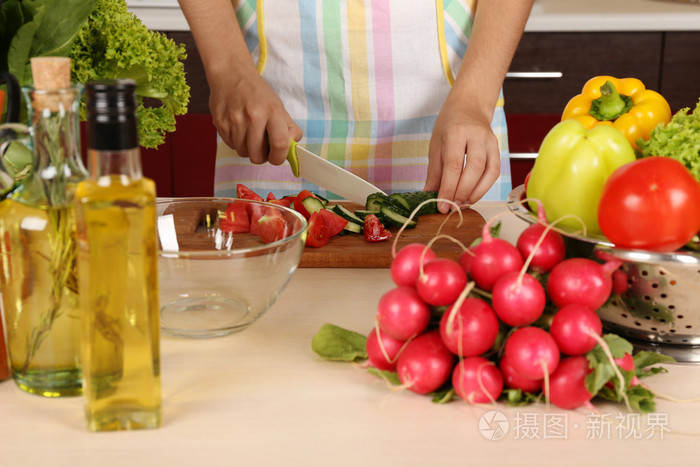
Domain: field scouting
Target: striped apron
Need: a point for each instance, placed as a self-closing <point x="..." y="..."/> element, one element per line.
<point x="364" y="80"/>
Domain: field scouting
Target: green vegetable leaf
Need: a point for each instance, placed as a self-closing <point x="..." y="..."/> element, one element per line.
<point x="678" y="139"/>
<point x="444" y="395"/>
<point x="517" y="397"/>
<point x="57" y="33"/>
<point x="335" y="343"/>
<point x="640" y="398"/>
<point x="603" y="369"/>
<point x="389" y="376"/>
<point x="644" y="359"/>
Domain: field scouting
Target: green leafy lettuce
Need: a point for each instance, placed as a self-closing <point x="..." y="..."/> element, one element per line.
<point x="104" y="41"/>
<point x="679" y="139"/>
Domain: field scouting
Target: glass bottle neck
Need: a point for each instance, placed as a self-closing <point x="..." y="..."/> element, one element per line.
<point x="126" y="162"/>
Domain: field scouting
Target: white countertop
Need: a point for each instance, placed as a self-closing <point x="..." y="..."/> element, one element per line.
<point x="546" y="16"/>
<point x="262" y="397"/>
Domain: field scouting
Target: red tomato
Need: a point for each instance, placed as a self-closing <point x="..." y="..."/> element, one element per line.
<point x="374" y="230"/>
<point x="270" y="196"/>
<point x="316" y="235"/>
<point x="244" y="192"/>
<point x="286" y="202"/>
<point x="334" y="223"/>
<point x="650" y="204"/>
<point x="299" y="206"/>
<point x="254" y="211"/>
<point x="236" y="219"/>
<point x="272" y="227"/>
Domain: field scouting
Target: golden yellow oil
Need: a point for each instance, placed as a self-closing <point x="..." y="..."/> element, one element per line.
<point x="118" y="278"/>
<point x="40" y="300"/>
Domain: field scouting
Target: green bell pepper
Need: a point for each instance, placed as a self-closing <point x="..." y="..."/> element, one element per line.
<point x="571" y="168"/>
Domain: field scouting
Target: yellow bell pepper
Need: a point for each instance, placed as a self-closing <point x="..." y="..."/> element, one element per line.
<point x="623" y="103"/>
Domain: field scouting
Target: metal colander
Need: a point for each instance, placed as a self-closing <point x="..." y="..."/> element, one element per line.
<point x="660" y="310"/>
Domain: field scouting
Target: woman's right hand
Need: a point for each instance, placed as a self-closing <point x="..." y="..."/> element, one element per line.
<point x="247" y="113"/>
<point x="251" y="118"/>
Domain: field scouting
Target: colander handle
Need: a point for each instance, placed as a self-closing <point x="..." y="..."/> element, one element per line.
<point x="686" y="258"/>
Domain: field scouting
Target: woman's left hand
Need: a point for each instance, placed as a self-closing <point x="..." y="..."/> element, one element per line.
<point x="464" y="159"/>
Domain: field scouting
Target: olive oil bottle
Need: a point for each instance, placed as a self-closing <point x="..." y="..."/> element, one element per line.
<point x="117" y="268"/>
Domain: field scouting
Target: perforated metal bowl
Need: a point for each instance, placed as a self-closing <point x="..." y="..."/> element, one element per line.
<point x="660" y="310"/>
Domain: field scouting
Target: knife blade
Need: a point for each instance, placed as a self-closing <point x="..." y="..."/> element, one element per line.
<point x="326" y="174"/>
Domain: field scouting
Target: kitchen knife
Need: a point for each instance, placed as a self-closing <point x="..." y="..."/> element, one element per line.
<point x="324" y="173"/>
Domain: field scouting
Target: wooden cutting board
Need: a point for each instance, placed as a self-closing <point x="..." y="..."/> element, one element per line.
<point x="353" y="251"/>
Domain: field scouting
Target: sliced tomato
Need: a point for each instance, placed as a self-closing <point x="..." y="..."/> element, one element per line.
<point x="270" y="196"/>
<point x="374" y="230"/>
<point x="244" y="192"/>
<point x="299" y="206"/>
<point x="272" y="227"/>
<point x="334" y="223"/>
<point x="286" y="202"/>
<point x="317" y="235"/>
<point x="256" y="212"/>
<point x="236" y="218"/>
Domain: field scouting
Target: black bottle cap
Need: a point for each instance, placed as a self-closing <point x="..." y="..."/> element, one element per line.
<point x="111" y="118"/>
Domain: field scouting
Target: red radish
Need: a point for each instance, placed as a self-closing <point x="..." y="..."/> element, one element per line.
<point x="626" y="363"/>
<point x="531" y="351"/>
<point x="425" y="364"/>
<point x="518" y="298"/>
<point x="382" y="350"/>
<point x="441" y="282"/>
<point x="550" y="251"/>
<point x="567" y="385"/>
<point x="471" y="330"/>
<point x="405" y="266"/>
<point x="574" y="328"/>
<point x="493" y="257"/>
<point x="465" y="259"/>
<point x="477" y="380"/>
<point x="620" y="284"/>
<point x="514" y="380"/>
<point x="582" y="281"/>
<point x="402" y="314"/>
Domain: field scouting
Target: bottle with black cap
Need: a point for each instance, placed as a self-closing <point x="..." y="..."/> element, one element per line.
<point x="117" y="268"/>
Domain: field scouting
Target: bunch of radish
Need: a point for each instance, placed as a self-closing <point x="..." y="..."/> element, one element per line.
<point x="502" y="316"/>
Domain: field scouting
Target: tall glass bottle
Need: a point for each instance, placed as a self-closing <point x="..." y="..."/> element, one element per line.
<point x="37" y="246"/>
<point x="117" y="268"/>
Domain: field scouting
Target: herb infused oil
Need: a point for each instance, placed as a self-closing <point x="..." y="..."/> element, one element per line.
<point x="117" y="268"/>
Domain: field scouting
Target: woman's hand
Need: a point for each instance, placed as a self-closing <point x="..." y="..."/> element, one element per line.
<point x="464" y="159"/>
<point x="247" y="113"/>
<point x="251" y="118"/>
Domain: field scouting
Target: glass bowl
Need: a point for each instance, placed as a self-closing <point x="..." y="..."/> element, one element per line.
<point x="213" y="281"/>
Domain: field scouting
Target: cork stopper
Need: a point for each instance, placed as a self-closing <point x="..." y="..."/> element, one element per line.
<point x="50" y="75"/>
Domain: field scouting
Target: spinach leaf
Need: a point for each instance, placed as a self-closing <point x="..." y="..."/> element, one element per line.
<point x="335" y="343"/>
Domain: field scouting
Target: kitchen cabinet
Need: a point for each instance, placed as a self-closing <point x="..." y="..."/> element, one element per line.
<point x="549" y="68"/>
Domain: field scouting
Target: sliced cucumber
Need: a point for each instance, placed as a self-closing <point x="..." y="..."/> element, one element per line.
<point x="375" y="201"/>
<point x="347" y="214"/>
<point x="399" y="198"/>
<point x="352" y="227"/>
<point x="312" y="204"/>
<point x="414" y="198"/>
<point x="394" y="218"/>
<point x="362" y="213"/>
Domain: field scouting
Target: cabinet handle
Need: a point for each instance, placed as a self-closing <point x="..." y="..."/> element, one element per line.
<point x="534" y="74"/>
<point x="523" y="155"/>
